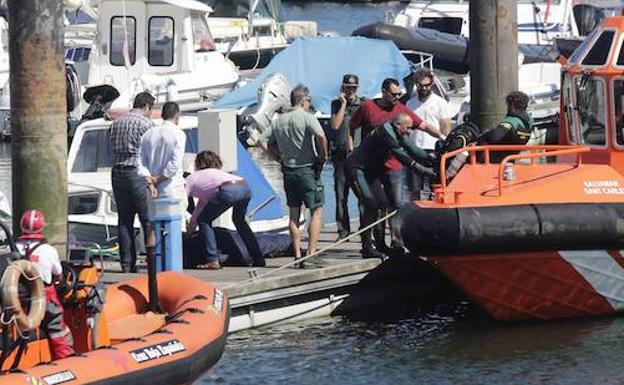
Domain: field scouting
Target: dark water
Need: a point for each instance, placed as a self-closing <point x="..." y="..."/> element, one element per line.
<point x="428" y="350"/>
<point x="340" y="18"/>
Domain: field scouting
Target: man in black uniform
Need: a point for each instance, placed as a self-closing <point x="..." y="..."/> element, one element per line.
<point x="365" y="170"/>
<point x="341" y="111"/>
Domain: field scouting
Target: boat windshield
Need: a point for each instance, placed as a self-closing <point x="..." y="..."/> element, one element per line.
<point x="94" y="153"/>
<point x="202" y="38"/>
<point x="590" y="114"/>
<point x="618" y="101"/>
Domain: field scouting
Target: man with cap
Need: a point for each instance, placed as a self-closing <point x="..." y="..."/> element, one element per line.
<point x="33" y="246"/>
<point x="341" y="111"/>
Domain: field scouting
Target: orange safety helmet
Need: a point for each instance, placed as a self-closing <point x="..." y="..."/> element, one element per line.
<point x="32" y="222"/>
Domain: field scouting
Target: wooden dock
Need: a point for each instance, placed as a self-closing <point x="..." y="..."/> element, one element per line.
<point x="349" y="286"/>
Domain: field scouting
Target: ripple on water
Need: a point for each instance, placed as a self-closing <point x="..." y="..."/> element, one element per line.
<point x="430" y="349"/>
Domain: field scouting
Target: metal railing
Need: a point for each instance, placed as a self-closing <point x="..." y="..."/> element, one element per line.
<point x="529" y="152"/>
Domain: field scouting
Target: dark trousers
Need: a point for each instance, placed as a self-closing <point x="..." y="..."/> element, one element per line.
<point x="236" y="196"/>
<point x="370" y="192"/>
<point x="341" y="192"/>
<point x="394" y="183"/>
<point x="131" y="197"/>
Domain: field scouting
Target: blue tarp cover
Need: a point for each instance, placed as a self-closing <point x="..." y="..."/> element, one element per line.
<point x="260" y="186"/>
<point x="320" y="63"/>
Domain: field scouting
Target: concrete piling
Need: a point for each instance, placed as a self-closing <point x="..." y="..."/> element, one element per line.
<point x="493" y="56"/>
<point x="38" y="114"/>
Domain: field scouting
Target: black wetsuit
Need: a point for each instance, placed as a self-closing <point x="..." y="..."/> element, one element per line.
<point x="365" y="170"/>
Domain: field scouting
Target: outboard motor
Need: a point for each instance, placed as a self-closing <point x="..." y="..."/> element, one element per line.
<point x="273" y="96"/>
<point x="98" y="97"/>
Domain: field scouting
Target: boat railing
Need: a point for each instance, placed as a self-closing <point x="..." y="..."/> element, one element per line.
<point x="419" y="59"/>
<point x="532" y="153"/>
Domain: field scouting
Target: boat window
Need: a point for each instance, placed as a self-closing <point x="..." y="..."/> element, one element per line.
<point x="569" y="103"/>
<point x="123" y="29"/>
<point x="202" y="38"/>
<point x="4" y="36"/>
<point x="161" y="38"/>
<point x="591" y="110"/>
<point x="618" y="100"/>
<point x="599" y="53"/>
<point x="234" y="8"/>
<point x="192" y="146"/>
<point x="581" y="48"/>
<point x="83" y="203"/>
<point x="263" y="30"/>
<point x="94" y="153"/>
<point x="620" y="59"/>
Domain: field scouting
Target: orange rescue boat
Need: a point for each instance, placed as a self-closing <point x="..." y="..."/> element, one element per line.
<point x="528" y="239"/>
<point x="117" y="340"/>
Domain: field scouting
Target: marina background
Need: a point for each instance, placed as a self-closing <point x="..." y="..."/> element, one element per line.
<point x="445" y="346"/>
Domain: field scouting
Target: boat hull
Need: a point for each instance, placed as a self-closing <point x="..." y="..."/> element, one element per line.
<point x="542" y="285"/>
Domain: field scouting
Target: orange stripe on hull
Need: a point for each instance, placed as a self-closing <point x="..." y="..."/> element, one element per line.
<point x="531" y="285"/>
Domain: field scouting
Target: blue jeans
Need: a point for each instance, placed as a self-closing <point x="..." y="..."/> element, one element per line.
<point x="236" y="196"/>
<point x="131" y="197"/>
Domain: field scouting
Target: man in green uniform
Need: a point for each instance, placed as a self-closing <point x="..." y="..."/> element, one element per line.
<point x="294" y="134"/>
<point x="515" y="128"/>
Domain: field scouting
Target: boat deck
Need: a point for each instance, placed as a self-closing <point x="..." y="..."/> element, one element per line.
<point x="349" y="285"/>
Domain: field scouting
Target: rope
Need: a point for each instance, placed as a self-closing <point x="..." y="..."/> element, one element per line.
<point x="299" y="260"/>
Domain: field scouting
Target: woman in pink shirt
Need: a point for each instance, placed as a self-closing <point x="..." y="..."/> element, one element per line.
<point x="217" y="191"/>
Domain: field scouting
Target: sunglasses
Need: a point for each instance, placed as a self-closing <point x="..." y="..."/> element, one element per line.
<point x="395" y="94"/>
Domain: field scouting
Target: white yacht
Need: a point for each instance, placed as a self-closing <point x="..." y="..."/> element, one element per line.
<point x="161" y="46"/>
<point x="164" y="46"/>
<point x="539" y="21"/>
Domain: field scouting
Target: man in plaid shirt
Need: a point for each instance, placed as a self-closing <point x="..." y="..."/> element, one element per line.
<point x="132" y="191"/>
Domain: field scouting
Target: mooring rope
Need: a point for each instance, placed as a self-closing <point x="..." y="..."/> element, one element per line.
<point x="302" y="259"/>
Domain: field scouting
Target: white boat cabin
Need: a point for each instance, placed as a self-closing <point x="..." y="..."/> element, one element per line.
<point x="164" y="46"/>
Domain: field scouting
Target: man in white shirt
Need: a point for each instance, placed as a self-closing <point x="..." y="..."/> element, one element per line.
<point x="432" y="109"/>
<point x="162" y="152"/>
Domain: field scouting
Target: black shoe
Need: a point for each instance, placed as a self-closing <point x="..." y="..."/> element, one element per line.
<point x="342" y="236"/>
<point x="259" y="263"/>
<point x="396" y="249"/>
<point x="372" y="253"/>
<point x="128" y="269"/>
<point x="383" y="248"/>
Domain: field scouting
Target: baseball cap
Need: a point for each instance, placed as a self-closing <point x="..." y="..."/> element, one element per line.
<point x="350" y="80"/>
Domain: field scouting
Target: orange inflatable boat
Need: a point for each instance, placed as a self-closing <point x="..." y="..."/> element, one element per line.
<point x="118" y="341"/>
